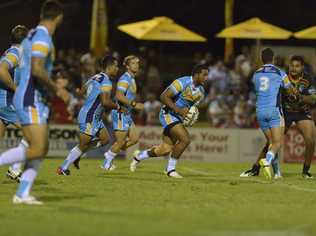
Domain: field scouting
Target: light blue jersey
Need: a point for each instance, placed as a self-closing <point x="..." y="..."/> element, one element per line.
<point x="90" y="115"/>
<point x="28" y="98"/>
<point x="127" y="85"/>
<point x="11" y="57"/>
<point x="186" y="94"/>
<point x="123" y="121"/>
<point x="7" y="112"/>
<point x="268" y="81"/>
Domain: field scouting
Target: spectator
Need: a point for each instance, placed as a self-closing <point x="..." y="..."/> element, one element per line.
<point x="218" y="76"/>
<point x="218" y="112"/>
<point x="152" y="108"/>
<point x="63" y="113"/>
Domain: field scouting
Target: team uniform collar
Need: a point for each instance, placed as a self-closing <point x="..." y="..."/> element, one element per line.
<point x="269" y="65"/>
<point x="104" y="74"/>
<point x="14" y="46"/>
<point x="129" y="75"/>
<point x="192" y="82"/>
<point x="43" y="28"/>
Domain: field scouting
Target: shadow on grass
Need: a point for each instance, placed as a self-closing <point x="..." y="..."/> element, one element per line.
<point x="130" y="178"/>
<point x="87" y="211"/>
<point x="61" y="197"/>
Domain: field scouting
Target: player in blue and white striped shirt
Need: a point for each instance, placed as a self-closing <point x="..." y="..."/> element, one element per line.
<point x="268" y="81"/>
<point x="35" y="70"/>
<point x="98" y="99"/>
<point x="9" y="79"/>
<point x="123" y="124"/>
<point x="178" y="98"/>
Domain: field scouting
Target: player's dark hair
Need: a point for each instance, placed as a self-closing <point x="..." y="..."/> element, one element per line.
<point x="267" y="55"/>
<point x="18" y="33"/>
<point x="108" y="61"/>
<point x="297" y="58"/>
<point x="51" y="9"/>
<point x="198" y="68"/>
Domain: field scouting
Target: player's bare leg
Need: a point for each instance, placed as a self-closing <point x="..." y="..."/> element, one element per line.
<point x="102" y="140"/>
<point x="133" y="137"/>
<point x="307" y="129"/>
<point x="36" y="136"/>
<point x="273" y="136"/>
<point x="255" y="170"/>
<point x="179" y="134"/>
<point x="86" y="143"/>
<point x="162" y="149"/>
<point x="174" y="144"/>
<point x="75" y="153"/>
<point x="118" y="145"/>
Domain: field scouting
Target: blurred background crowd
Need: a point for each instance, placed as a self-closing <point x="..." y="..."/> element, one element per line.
<point x="229" y="101"/>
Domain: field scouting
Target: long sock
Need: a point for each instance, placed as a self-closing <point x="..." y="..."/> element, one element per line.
<point x="17" y="167"/>
<point x="276" y="165"/>
<point x="24" y="143"/>
<point x="306" y="168"/>
<point x="28" y="177"/>
<point x="73" y="155"/>
<point x="12" y="156"/>
<point x="143" y="155"/>
<point x="96" y="144"/>
<point x="255" y="167"/>
<point x="109" y="156"/>
<point x="269" y="156"/>
<point x="172" y="162"/>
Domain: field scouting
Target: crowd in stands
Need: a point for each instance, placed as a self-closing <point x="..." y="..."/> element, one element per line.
<point x="229" y="101"/>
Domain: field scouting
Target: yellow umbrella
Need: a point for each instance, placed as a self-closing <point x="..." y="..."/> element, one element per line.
<point x="309" y="33"/>
<point x="254" y="28"/>
<point x="160" y="29"/>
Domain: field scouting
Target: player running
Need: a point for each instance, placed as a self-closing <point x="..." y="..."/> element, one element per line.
<point x="178" y="98"/>
<point x="268" y="81"/>
<point x="98" y="99"/>
<point x="124" y="128"/>
<point x="297" y="112"/>
<point x="9" y="80"/>
<point x="35" y="69"/>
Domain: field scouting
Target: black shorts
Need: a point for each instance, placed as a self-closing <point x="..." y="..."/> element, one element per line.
<point x="166" y="131"/>
<point x="290" y="117"/>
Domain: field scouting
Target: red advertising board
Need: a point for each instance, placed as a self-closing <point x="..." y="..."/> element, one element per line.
<point x="294" y="147"/>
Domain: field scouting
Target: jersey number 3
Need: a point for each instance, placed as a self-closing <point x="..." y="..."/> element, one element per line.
<point x="264" y="83"/>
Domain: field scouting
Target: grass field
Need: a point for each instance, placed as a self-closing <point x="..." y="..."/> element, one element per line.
<point x="210" y="200"/>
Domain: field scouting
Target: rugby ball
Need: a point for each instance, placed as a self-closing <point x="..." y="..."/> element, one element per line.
<point x="191" y="117"/>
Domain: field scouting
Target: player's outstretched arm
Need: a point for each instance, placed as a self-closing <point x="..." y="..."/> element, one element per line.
<point x="166" y="99"/>
<point x="122" y="99"/>
<point x="309" y="96"/>
<point x="309" y="99"/>
<point x="5" y="76"/>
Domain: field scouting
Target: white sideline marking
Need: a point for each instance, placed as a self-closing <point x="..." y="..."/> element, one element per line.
<point x="291" y="186"/>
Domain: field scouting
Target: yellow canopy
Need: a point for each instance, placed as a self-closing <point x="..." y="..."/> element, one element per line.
<point x="160" y="29"/>
<point x="254" y="28"/>
<point x="309" y="33"/>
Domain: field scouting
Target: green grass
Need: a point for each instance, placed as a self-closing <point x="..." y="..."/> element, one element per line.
<point x="210" y="200"/>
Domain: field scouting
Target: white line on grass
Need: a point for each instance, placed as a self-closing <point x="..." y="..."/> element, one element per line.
<point x="291" y="186"/>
